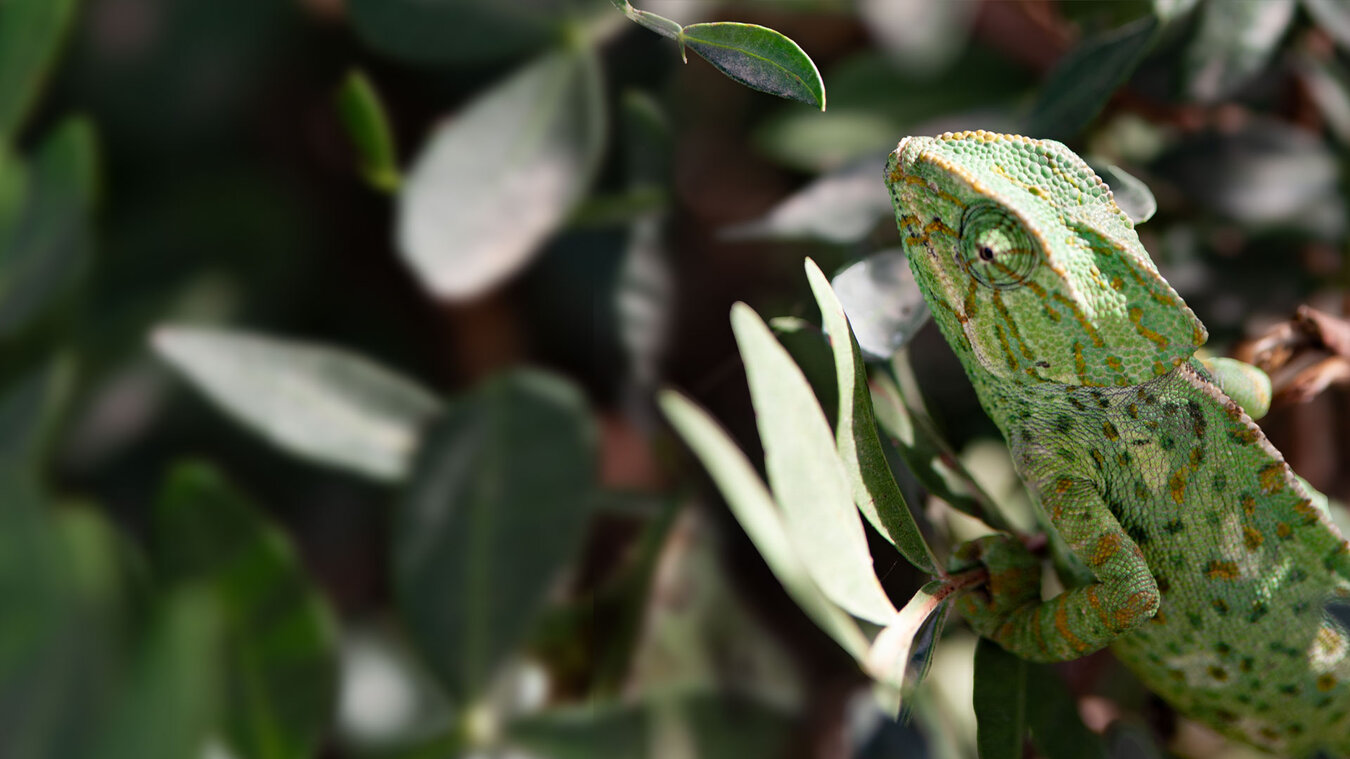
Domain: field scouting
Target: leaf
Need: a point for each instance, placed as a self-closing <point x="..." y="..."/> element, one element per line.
<point x="367" y="125"/>
<point x="319" y="403"/>
<point x="884" y="304"/>
<point x="919" y="35"/>
<point x="1333" y="16"/>
<point x="840" y="207"/>
<point x="754" y="508"/>
<point x="1132" y="195"/>
<point x="31" y="32"/>
<point x="168" y="706"/>
<point x="811" y="352"/>
<point x="456" y="31"/>
<point x="875" y="491"/>
<point x="650" y="21"/>
<point x="1081" y="83"/>
<point x="604" y="731"/>
<point x="48" y="254"/>
<point x="14" y="185"/>
<point x="496" y="181"/>
<point x="1232" y="44"/>
<point x="29" y="408"/>
<point x="1057" y="730"/>
<point x="279" y="637"/>
<point x="807" y="476"/>
<point x="497" y="505"/>
<point x="1000" y="697"/>
<point x="759" y="58"/>
<point x="890" y="653"/>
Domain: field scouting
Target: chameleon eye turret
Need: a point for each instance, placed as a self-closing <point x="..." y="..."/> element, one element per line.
<point x="995" y="246"/>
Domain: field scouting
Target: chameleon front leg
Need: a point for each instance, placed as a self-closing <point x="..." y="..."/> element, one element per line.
<point x="1009" y="610"/>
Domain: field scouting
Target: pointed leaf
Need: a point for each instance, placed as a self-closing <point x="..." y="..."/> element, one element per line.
<point x="1057" y="729"/>
<point x="1333" y="16"/>
<point x="456" y="31"/>
<point x="367" y="125"/>
<point x="759" y="58"/>
<point x="875" y="491"/>
<point x="48" y="253"/>
<point x="497" y="506"/>
<point x="29" y="408"/>
<point x="650" y="21"/>
<point x="1088" y="76"/>
<point x="1000" y="696"/>
<point x="497" y="180"/>
<point x="319" y="403"/>
<point x="884" y="304"/>
<point x="754" y="508"/>
<point x="31" y="32"/>
<point x="280" y="647"/>
<point x="890" y="653"/>
<point x="808" y="479"/>
<point x="840" y="207"/>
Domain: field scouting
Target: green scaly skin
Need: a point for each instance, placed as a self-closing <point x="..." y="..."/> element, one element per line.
<point x="1212" y="565"/>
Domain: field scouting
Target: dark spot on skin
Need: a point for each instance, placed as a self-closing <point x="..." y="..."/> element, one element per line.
<point x="1077" y="404"/>
<point x="1246" y="664"/>
<point x="1064" y="424"/>
<point x="1294" y="729"/>
<point x="1197" y="418"/>
<point x="1300" y="608"/>
<point x="1222" y="649"/>
<point x="937" y="218"/>
<point x="1220" y="606"/>
<point x="1043" y="364"/>
<point x="1289" y="689"/>
<point x="1197" y="621"/>
<point x="1140" y="441"/>
<point x="1295" y="576"/>
<point x="1167" y="443"/>
<point x="1220" y="482"/>
<point x="1259" y="610"/>
<point x="1138" y="534"/>
<point x="1173" y="527"/>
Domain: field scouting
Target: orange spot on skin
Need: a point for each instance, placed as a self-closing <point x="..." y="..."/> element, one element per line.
<point x="1109" y="430"/>
<point x="1063" y="484"/>
<point x="1248" y="505"/>
<point x="1271" y="477"/>
<point x="1137" y="319"/>
<point x="1062" y="627"/>
<point x="1326" y="682"/>
<point x="1309" y="512"/>
<point x="1221" y="570"/>
<point x="1252" y="537"/>
<point x="1283" y="530"/>
<point x="1177" y="486"/>
<point x="1108" y="545"/>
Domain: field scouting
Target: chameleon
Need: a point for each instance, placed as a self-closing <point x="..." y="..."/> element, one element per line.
<point x="1205" y="564"/>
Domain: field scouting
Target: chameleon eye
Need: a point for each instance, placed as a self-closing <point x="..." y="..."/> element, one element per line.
<point x="996" y="248"/>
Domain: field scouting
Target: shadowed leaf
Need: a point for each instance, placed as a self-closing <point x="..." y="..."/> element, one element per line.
<point x="759" y="58"/>
<point x="1086" y="78"/>
<point x="31" y="32"/>
<point x="1000" y="697"/>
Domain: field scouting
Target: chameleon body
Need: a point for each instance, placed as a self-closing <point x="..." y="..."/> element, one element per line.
<point x="1210" y="567"/>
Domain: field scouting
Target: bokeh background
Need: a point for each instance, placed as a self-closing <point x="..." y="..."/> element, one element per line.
<point x="228" y="192"/>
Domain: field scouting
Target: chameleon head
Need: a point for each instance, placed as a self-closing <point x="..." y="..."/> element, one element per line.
<point x="1030" y="267"/>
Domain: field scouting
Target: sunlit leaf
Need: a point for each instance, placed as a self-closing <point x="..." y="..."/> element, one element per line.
<point x="889" y="656"/>
<point x="31" y="32"/>
<point x="456" y="31"/>
<point x="759" y="58"/>
<point x="920" y="35"/>
<point x="496" y="507"/>
<point x="874" y="488"/>
<point x="650" y="21"/>
<point x="754" y="508"/>
<point x="1234" y="42"/>
<point x="280" y="646"/>
<point x="884" y="304"/>
<point x="1132" y="195"/>
<point x="807" y="476"/>
<point x="1084" y="80"/>
<point x="840" y="207"/>
<point x="494" y="182"/>
<point x="48" y="253"/>
<point x="368" y="128"/>
<point x="320" y="403"/>
<point x="1000" y="698"/>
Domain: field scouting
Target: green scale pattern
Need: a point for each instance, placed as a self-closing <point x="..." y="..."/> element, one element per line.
<point x="1209" y="567"/>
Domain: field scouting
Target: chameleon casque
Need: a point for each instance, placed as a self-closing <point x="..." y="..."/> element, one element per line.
<point x="1210" y="564"/>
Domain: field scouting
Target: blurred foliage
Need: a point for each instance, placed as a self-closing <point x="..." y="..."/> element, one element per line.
<point x="349" y="224"/>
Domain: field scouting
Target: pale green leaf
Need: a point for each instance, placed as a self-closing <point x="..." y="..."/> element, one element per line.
<point x="319" y="403"/>
<point x="806" y="474"/>
<point x="496" y="507"/>
<point x="368" y="128"/>
<point x="840" y="207"/>
<point x="884" y="304"/>
<point x="874" y="488"/>
<point x="889" y="656"/>
<point x="1132" y="195"/>
<point x="754" y="508"/>
<point x="494" y="182"/>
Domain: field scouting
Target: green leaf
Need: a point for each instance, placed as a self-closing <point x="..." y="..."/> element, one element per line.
<point x="605" y="731"/>
<point x="368" y="127"/>
<point x="1000" y="696"/>
<point x="456" y="31"/>
<point x="1132" y="195"/>
<point x="650" y="21"/>
<point x="29" y="409"/>
<point x="808" y="478"/>
<point x="884" y="304"/>
<point x="48" y="254"/>
<point x="279" y="639"/>
<point x="1234" y="42"/>
<point x="318" y="403"/>
<point x="31" y="32"/>
<point x="14" y="185"/>
<point x="1088" y="76"/>
<point x="754" y="508"/>
<point x="496" y="507"/>
<point x="759" y="58"/>
<point x="495" y="182"/>
<point x="167" y="708"/>
<point x="811" y="352"/>
<point x="890" y="653"/>
<point x="875" y="491"/>
<point x="1057" y="730"/>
